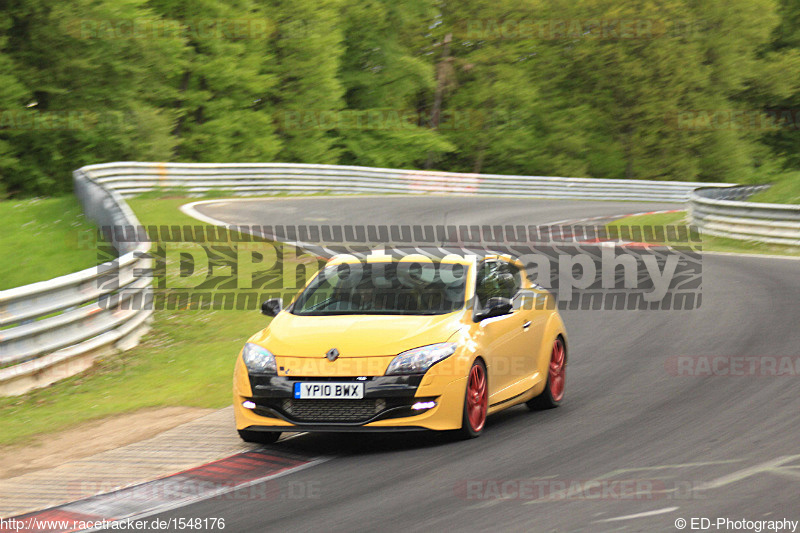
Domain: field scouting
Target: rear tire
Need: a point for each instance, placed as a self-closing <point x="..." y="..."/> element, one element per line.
<point x="553" y="392"/>
<point x="259" y="437"/>
<point x="476" y="402"/>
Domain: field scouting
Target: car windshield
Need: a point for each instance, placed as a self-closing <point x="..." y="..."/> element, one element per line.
<point x="397" y="288"/>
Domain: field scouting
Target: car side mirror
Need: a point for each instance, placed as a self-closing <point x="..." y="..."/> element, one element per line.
<point x="272" y="307"/>
<point x="495" y="306"/>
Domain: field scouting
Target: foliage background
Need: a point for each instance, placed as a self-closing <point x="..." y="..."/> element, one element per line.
<point x="457" y="86"/>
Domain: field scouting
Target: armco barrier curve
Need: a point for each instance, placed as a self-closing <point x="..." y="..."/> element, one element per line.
<point x="129" y="179"/>
<point x="57" y="328"/>
<point x="720" y="212"/>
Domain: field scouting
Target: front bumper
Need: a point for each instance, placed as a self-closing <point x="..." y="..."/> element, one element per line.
<point x="386" y="405"/>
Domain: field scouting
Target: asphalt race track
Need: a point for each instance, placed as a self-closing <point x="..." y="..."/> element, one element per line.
<point x="708" y="446"/>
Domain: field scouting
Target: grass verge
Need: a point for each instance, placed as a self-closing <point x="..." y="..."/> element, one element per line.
<point x="186" y="360"/>
<point x="41" y="240"/>
<point x="784" y="191"/>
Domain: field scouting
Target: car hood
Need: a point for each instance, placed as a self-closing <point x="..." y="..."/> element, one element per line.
<point x="354" y="335"/>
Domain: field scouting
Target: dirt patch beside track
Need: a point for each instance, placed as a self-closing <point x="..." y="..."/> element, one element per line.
<point x="92" y="437"/>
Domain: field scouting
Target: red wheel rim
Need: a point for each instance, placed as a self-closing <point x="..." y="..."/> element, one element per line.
<point x="557" y="368"/>
<point x="477" y="397"/>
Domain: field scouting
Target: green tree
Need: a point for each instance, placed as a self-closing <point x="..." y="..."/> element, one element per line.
<point x="388" y="78"/>
<point x="777" y="88"/>
<point x="12" y="95"/>
<point x="575" y="98"/>
<point x="97" y="91"/>
<point x="512" y="118"/>
<point x="307" y="47"/>
<point x="223" y="81"/>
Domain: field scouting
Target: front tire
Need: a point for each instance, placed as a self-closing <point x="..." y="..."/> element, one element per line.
<point x="476" y="402"/>
<point x="553" y="392"/>
<point x="259" y="437"/>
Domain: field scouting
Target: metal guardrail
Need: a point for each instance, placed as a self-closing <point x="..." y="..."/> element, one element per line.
<point x="56" y="328"/>
<point x="130" y="179"/>
<point x="721" y="212"/>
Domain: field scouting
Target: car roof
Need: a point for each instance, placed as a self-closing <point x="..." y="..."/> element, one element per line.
<point x="450" y="254"/>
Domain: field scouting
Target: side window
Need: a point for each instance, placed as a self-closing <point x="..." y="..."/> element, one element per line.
<point x="497" y="278"/>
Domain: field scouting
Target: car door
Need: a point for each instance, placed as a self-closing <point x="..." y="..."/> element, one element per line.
<point x="533" y="306"/>
<point x="504" y="344"/>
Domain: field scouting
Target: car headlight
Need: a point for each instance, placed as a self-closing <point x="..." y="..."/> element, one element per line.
<point x="419" y="360"/>
<point x="258" y="360"/>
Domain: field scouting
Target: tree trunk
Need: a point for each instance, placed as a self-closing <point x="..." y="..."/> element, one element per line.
<point x="179" y="103"/>
<point x="441" y="81"/>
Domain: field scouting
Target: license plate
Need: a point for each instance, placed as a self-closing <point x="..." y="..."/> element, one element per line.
<point x="328" y="391"/>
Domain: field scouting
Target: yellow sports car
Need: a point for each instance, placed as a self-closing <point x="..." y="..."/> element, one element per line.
<point x="386" y="343"/>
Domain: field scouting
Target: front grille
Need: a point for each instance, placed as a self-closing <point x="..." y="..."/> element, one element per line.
<point x="333" y="410"/>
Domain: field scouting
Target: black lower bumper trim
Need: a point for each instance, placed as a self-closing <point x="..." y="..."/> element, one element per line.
<point x="329" y="428"/>
<point x="392" y="408"/>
